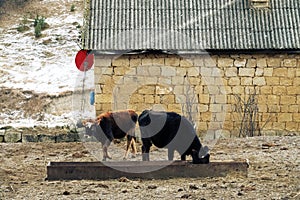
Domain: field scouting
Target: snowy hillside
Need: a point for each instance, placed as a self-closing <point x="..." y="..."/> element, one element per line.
<point x="42" y="65"/>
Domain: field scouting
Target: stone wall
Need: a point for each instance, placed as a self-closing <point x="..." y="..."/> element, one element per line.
<point x="205" y="86"/>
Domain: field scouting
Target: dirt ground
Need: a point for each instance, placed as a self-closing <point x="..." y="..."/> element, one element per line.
<point x="274" y="173"/>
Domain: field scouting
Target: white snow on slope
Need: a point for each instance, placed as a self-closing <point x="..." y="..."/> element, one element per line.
<point x="44" y="65"/>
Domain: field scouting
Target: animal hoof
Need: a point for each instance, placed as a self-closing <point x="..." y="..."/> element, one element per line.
<point x="133" y="156"/>
<point x="124" y="158"/>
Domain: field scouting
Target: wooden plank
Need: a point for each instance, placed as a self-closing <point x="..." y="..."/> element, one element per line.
<point x="142" y="170"/>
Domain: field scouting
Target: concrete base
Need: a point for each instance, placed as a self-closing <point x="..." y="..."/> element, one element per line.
<point x="142" y="170"/>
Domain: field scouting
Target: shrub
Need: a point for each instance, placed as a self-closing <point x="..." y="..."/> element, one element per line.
<point x="72" y="8"/>
<point x="39" y="25"/>
<point x="38" y="30"/>
<point x="22" y="26"/>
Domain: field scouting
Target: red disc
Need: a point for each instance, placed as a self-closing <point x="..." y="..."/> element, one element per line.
<point x="84" y="60"/>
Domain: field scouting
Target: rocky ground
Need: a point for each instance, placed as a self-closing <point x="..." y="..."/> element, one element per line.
<point x="274" y="173"/>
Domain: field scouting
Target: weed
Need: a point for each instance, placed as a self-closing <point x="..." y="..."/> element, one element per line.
<point x="72" y="8"/>
<point x="39" y="25"/>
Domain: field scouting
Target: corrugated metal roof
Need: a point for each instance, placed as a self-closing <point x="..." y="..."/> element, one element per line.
<point x="187" y="25"/>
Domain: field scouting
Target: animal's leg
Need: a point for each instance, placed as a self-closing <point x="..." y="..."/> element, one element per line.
<point x="129" y="142"/>
<point x="183" y="157"/>
<point x="133" y="146"/>
<point x="170" y="154"/>
<point x="105" y="152"/>
<point x="145" y="149"/>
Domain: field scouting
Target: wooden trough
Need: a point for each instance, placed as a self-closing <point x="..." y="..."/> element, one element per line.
<point x="142" y="170"/>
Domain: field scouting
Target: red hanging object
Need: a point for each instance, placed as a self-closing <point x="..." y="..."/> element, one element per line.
<point x="84" y="60"/>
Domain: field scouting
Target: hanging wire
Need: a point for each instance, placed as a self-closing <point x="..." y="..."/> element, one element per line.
<point x="85" y="65"/>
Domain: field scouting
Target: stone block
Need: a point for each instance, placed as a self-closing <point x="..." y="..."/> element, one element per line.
<point x="233" y="81"/>
<point x="193" y="71"/>
<point x="154" y="71"/>
<point x="120" y="70"/>
<point x="204" y="98"/>
<point x="268" y="71"/>
<point x="148" y="89"/>
<point x="272" y="81"/>
<point x="186" y="63"/>
<point x="292" y="62"/>
<point x="206" y="71"/>
<point x="174" y="108"/>
<point x="239" y="62"/>
<point x="202" y="126"/>
<point x="120" y="62"/>
<point x="216" y="108"/>
<point x="231" y="72"/>
<point x="162" y="90"/>
<point x="46" y="138"/>
<point x="29" y="138"/>
<point x="177" y="80"/>
<point x="298" y="71"/>
<point x="296" y="81"/>
<point x="262" y="108"/>
<point x="149" y="99"/>
<point x="134" y="62"/>
<point x="246" y="72"/>
<point x="251" y="63"/>
<point x="260" y="81"/>
<point x="168" y="71"/>
<point x="274" y="62"/>
<point x="202" y="108"/>
<point x="205" y="116"/>
<point x="168" y="99"/>
<point x="259" y="72"/>
<point x="2" y="133"/>
<point x="198" y="62"/>
<point x="147" y="61"/>
<point x="13" y="136"/>
<point x="143" y="71"/>
<point x="292" y="126"/>
<point x="287" y="100"/>
<point x="172" y="61"/>
<point x="294" y="108"/>
<point x="278" y="125"/>
<point x="246" y="81"/>
<point x="69" y="137"/>
<point x="285" y="81"/>
<point x="159" y="61"/>
<point x="280" y="72"/>
<point x="225" y="62"/>
<point x="104" y="98"/>
<point x="293" y="90"/>
<point x="194" y="81"/>
<point x="296" y="117"/>
<point x="136" y="98"/>
<point x="291" y="72"/>
<point x="285" y="117"/>
<point x="279" y="90"/>
<point x="210" y="61"/>
<point x="165" y="80"/>
<point x="102" y="61"/>
<point x="178" y="89"/>
<point x="238" y="90"/>
<point x="266" y="90"/>
<point x="273" y="99"/>
<point x="261" y="62"/>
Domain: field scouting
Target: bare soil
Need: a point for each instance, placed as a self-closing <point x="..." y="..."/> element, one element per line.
<point x="274" y="173"/>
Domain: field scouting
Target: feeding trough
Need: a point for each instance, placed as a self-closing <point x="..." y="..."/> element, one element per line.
<point x="142" y="169"/>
